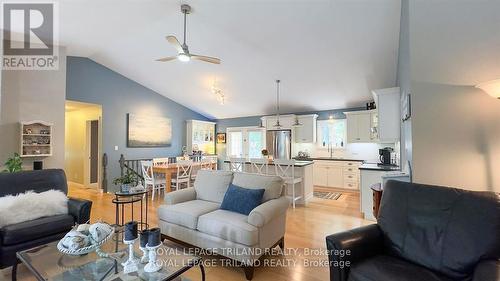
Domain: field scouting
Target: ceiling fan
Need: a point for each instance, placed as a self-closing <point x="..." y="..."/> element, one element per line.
<point x="183" y="50"/>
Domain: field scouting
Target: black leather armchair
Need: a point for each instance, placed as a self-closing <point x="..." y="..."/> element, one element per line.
<point x="25" y="235"/>
<point x="423" y="232"/>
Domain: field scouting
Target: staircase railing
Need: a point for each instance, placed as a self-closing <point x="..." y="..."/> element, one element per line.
<point x="131" y="166"/>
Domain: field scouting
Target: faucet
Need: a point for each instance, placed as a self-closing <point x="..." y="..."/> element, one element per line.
<point x="330" y="149"/>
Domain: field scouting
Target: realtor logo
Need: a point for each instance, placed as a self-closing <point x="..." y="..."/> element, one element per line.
<point x="29" y="36"/>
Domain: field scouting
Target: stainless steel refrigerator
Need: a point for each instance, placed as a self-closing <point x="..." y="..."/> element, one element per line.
<point x="279" y="143"/>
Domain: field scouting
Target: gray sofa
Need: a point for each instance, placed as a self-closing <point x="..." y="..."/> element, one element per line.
<point x="193" y="216"/>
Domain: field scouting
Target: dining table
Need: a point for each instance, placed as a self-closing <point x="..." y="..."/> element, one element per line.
<point x="171" y="168"/>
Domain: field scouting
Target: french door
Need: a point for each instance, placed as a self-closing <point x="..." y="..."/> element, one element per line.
<point x="245" y="142"/>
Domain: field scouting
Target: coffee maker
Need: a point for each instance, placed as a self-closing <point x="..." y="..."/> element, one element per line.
<point x="385" y="155"/>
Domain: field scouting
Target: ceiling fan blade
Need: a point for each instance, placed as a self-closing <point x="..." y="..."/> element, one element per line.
<point x="206" y="59"/>
<point x="166" y="59"/>
<point x="174" y="42"/>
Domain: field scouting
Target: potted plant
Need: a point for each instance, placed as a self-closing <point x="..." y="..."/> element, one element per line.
<point x="265" y="153"/>
<point x="14" y="164"/>
<point x="126" y="182"/>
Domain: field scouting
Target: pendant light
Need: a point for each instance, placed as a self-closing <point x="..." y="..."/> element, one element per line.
<point x="277" y="125"/>
<point x="261" y="126"/>
<point x="297" y="124"/>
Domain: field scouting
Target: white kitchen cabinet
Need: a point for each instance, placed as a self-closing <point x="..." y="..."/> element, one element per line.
<point x="286" y="122"/>
<point x="359" y="126"/>
<point x="336" y="174"/>
<point x="320" y="173"/>
<point x="307" y="132"/>
<point x="200" y="136"/>
<point x="389" y="115"/>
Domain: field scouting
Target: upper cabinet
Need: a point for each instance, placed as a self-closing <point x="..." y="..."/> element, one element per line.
<point x="388" y="110"/>
<point x="286" y="122"/>
<point x="360" y="126"/>
<point x="380" y="125"/>
<point x="200" y="136"/>
<point x="307" y="132"/>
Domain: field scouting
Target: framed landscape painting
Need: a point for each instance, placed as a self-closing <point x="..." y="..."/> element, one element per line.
<point x="148" y="131"/>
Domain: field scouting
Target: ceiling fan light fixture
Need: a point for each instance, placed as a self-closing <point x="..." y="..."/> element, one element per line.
<point x="183" y="57"/>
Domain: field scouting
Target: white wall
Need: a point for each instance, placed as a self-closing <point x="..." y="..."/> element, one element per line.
<point x="33" y="95"/>
<point x="456" y="137"/>
<point x="455" y="44"/>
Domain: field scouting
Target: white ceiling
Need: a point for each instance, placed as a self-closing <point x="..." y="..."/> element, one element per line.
<point x="328" y="53"/>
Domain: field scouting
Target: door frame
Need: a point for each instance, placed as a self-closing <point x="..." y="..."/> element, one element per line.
<point x="86" y="165"/>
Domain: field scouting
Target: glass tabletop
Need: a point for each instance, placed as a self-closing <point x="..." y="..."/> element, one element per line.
<point x="47" y="263"/>
<point x="130" y="193"/>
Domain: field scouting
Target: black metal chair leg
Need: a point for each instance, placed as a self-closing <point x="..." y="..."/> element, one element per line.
<point x="202" y="269"/>
<point x="14" y="272"/>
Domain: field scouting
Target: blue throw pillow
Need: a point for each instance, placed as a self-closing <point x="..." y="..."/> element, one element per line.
<point x="241" y="200"/>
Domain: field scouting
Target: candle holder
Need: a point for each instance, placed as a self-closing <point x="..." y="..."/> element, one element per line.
<point x="131" y="264"/>
<point x="145" y="254"/>
<point x="153" y="265"/>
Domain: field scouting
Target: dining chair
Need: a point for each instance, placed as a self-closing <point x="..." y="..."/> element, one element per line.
<point x="259" y="166"/>
<point x="237" y="164"/>
<point x="286" y="170"/>
<point x="161" y="161"/>
<point x="204" y="164"/>
<point x="151" y="180"/>
<point x="213" y="161"/>
<point x="183" y="176"/>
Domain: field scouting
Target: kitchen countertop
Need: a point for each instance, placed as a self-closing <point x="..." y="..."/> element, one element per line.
<point x="327" y="159"/>
<point x="376" y="167"/>
<point x="298" y="163"/>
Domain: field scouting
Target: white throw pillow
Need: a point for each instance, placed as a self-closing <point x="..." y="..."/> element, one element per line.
<point x="31" y="205"/>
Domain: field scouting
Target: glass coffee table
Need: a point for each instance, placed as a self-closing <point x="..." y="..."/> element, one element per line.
<point x="47" y="263"/>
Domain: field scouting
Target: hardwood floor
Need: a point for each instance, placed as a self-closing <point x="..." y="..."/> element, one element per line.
<point x="307" y="228"/>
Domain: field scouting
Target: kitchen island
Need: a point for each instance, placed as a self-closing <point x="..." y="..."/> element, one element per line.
<point x="303" y="169"/>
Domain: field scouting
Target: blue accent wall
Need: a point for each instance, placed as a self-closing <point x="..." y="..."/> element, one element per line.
<point x="88" y="81"/>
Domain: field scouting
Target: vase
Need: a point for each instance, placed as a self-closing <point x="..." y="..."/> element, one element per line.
<point x="125" y="188"/>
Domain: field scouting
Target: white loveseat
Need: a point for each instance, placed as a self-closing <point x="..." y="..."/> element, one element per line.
<point x="193" y="216"/>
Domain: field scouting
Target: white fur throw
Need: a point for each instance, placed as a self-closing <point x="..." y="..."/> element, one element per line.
<point x="31" y="205"/>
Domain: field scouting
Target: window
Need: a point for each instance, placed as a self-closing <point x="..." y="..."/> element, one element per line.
<point x="246" y="142"/>
<point x="331" y="132"/>
<point x="255" y="143"/>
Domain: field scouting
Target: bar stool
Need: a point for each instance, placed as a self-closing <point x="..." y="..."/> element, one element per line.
<point x="286" y="170"/>
<point x="259" y="166"/>
<point x="237" y="164"/>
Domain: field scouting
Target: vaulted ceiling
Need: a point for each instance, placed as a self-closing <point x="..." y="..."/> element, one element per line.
<point x="328" y="53"/>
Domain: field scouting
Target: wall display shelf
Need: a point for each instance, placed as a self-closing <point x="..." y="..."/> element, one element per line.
<point x="36" y="139"/>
